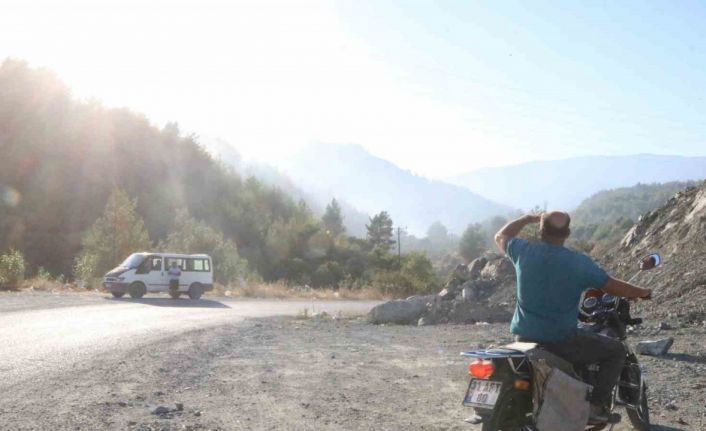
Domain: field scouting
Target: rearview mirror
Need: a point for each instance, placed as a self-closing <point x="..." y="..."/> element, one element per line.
<point x="649" y="262"/>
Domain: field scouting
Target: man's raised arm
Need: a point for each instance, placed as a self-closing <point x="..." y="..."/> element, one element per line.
<point x="513" y="228"/>
<point x="626" y="290"/>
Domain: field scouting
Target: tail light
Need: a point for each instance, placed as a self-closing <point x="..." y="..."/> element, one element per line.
<point x="481" y="368"/>
<point x="521" y="385"/>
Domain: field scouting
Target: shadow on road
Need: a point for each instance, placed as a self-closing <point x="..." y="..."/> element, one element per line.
<point x="168" y="302"/>
<point x="665" y="428"/>
<point x="684" y="357"/>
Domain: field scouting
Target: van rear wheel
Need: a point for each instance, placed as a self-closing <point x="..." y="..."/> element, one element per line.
<point x="137" y="290"/>
<point x="195" y="291"/>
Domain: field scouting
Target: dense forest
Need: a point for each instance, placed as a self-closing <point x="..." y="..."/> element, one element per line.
<point x="83" y="185"/>
<point x="62" y="159"/>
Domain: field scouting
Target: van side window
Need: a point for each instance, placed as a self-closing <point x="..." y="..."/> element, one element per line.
<point x="179" y="262"/>
<point x="198" y="264"/>
<point x="156" y="264"/>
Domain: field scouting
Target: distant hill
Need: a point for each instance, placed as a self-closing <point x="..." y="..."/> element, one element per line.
<point x="565" y="183"/>
<point x="353" y="219"/>
<point x="372" y="184"/>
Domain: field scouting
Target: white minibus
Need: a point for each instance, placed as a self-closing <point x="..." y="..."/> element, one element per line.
<point x="146" y="272"/>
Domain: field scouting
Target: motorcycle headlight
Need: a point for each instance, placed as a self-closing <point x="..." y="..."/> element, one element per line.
<point x="589" y="303"/>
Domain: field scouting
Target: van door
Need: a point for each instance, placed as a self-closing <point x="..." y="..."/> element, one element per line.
<point x="155" y="279"/>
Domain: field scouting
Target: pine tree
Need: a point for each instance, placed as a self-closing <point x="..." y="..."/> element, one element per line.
<point x="116" y="234"/>
<point x="332" y="219"/>
<point x="380" y="231"/>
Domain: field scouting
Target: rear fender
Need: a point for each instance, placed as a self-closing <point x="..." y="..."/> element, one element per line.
<point x="514" y="407"/>
<point x="513" y="410"/>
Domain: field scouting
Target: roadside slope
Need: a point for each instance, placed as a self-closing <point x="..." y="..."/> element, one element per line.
<point x="677" y="231"/>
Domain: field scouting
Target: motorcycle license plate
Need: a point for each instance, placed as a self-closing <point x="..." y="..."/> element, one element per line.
<point x="482" y="393"/>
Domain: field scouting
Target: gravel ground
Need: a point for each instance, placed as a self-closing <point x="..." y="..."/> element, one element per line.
<point x="302" y="374"/>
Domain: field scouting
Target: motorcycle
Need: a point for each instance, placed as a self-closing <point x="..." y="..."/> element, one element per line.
<point x="500" y="383"/>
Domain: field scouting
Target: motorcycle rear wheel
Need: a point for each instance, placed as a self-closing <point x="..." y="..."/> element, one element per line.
<point x="508" y="406"/>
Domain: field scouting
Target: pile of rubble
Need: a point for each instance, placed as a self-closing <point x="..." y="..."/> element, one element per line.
<point x="482" y="291"/>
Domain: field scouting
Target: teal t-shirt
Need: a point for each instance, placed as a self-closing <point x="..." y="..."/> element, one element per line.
<point x="550" y="280"/>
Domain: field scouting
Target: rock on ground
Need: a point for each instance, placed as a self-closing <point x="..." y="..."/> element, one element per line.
<point x="654" y="348"/>
<point x="401" y="311"/>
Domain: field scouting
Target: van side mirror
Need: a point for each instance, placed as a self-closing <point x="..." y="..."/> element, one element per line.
<point x="649" y="262"/>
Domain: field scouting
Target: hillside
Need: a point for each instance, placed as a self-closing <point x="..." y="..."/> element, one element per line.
<point x="61" y="158"/>
<point x="602" y="220"/>
<point x="565" y="183"/>
<point x="625" y="202"/>
<point x="224" y="152"/>
<point x="677" y="231"/>
<point x="371" y="184"/>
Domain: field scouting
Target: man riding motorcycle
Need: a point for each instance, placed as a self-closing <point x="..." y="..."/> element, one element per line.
<point x="550" y="281"/>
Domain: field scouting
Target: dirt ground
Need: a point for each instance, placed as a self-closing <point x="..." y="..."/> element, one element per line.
<point x="303" y="374"/>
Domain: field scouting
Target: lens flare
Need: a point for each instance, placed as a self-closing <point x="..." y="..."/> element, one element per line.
<point x="10" y="196"/>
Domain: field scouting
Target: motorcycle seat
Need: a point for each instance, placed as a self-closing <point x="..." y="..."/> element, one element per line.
<point x="521" y="346"/>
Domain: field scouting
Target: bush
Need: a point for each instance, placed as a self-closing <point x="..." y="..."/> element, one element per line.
<point x="328" y="274"/>
<point x="419" y="270"/>
<point x="416" y="277"/>
<point x="43" y="274"/>
<point x="12" y="269"/>
<point x="85" y="267"/>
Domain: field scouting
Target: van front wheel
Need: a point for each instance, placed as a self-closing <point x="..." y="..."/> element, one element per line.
<point x="195" y="291"/>
<point x="137" y="290"/>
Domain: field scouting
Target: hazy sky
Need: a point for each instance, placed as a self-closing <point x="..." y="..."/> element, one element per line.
<point x="438" y="87"/>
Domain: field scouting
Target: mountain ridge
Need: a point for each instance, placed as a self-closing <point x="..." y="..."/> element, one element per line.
<point x="565" y="183"/>
<point x="413" y="201"/>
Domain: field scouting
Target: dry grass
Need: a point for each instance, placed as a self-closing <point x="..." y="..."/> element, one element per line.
<point x="38" y="284"/>
<point x="283" y="291"/>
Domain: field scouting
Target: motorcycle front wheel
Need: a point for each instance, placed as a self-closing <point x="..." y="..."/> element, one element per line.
<point x="636" y="395"/>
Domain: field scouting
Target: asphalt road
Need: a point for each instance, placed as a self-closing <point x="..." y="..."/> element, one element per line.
<point x="45" y="333"/>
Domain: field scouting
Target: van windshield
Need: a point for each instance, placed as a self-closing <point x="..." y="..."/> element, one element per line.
<point x="133" y="261"/>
